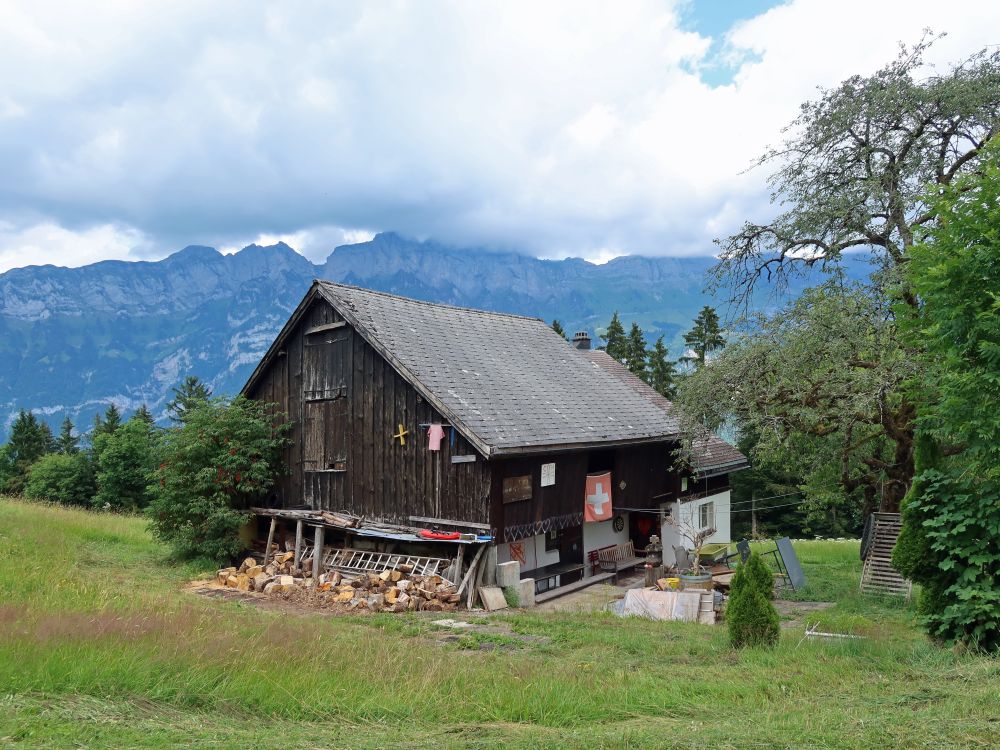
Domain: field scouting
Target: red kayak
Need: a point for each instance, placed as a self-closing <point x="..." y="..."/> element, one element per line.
<point x="445" y="535"/>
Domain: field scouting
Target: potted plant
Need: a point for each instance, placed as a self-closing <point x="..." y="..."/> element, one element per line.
<point x="695" y="576"/>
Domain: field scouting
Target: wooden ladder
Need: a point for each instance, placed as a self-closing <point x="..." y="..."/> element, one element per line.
<point x="878" y="575"/>
<point x="366" y="561"/>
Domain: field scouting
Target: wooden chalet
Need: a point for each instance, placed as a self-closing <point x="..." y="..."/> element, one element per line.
<point x="526" y="416"/>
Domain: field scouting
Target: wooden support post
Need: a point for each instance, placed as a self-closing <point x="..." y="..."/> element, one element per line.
<point x="472" y="568"/>
<point x="298" y="542"/>
<point x="270" y="539"/>
<point x="458" y="564"/>
<point x="317" y="554"/>
<point x="476" y="582"/>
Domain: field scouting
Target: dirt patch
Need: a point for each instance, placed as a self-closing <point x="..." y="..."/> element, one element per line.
<point x="794" y="614"/>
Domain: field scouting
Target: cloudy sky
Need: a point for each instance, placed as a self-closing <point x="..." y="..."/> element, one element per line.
<point x="594" y="129"/>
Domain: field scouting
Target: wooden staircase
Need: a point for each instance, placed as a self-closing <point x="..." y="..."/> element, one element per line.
<point x="878" y="575"/>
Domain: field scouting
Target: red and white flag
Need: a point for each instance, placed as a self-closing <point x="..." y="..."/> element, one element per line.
<point x="597" y="503"/>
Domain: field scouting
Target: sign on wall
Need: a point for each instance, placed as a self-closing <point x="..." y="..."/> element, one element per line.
<point x="517" y="488"/>
<point x="548" y="475"/>
<point x="597" y="501"/>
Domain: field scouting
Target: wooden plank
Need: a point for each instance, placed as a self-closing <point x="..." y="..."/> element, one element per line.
<point x="446" y="522"/>
<point x="298" y="542"/>
<point x="471" y="571"/>
<point x="270" y="539"/>
<point x="324" y="327"/>
<point x="317" y="553"/>
<point x="463" y="459"/>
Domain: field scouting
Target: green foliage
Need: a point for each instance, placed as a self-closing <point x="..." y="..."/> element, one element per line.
<point x="66" y="478"/>
<point x="854" y="169"/>
<point x="816" y="386"/>
<point x="30" y="439"/>
<point x="615" y="341"/>
<point x="705" y="336"/>
<point x="661" y="373"/>
<point x="750" y="617"/>
<point x="125" y="459"/>
<point x="220" y="459"/>
<point x="635" y="351"/>
<point x="67" y="442"/>
<point x="558" y="328"/>
<point x="145" y="415"/>
<point x="760" y="575"/>
<point x="952" y="514"/>
<point x="189" y="394"/>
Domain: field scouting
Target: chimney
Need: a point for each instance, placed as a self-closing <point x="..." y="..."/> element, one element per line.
<point x="581" y="340"/>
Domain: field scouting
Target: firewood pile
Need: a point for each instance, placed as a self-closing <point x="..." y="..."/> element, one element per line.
<point x="393" y="590"/>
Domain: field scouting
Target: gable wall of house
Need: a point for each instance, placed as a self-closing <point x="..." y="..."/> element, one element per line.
<point x="346" y="403"/>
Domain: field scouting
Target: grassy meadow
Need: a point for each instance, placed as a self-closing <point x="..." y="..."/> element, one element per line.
<point x="100" y="647"/>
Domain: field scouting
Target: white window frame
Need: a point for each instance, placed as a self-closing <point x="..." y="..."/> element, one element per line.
<point x="706" y="511"/>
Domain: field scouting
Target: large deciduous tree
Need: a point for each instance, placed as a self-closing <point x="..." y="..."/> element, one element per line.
<point x="853" y="173"/>
<point x="790" y="384"/>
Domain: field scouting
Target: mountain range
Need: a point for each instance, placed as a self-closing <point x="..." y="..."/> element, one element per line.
<point x="73" y="340"/>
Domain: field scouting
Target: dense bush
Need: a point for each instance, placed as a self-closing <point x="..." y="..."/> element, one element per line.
<point x="750" y="616"/>
<point x="950" y="541"/>
<point x="62" y="478"/>
<point x="125" y="460"/>
<point x="216" y="463"/>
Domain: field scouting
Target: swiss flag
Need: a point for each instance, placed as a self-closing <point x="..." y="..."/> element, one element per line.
<point x="597" y="503"/>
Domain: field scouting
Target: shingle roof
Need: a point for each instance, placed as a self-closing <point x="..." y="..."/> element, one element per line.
<point x="708" y="453"/>
<point x="510" y="383"/>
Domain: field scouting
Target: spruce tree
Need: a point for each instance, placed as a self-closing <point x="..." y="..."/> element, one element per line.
<point x="187" y="395"/>
<point x="67" y="443"/>
<point x="145" y="415"/>
<point x="558" y="328"/>
<point x="112" y="420"/>
<point x="661" y="372"/>
<point x="705" y="336"/>
<point x="615" y="341"/>
<point x="635" y="351"/>
<point x="30" y="439"/>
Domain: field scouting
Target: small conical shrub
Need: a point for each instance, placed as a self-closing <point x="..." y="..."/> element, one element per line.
<point x="750" y="616"/>
<point x="761" y="575"/>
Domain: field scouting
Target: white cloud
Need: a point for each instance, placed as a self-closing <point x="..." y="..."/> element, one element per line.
<point x="46" y="242"/>
<point x="562" y="128"/>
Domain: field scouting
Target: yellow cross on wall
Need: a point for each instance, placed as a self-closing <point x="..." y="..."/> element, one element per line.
<point x="401" y="435"/>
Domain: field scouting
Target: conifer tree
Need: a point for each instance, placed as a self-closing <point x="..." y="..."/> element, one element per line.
<point x="615" y="341"/>
<point x="30" y="439"/>
<point x="143" y="414"/>
<point x="705" y="336"/>
<point x="661" y="372"/>
<point x="188" y="394"/>
<point x="558" y="328"/>
<point x="635" y="351"/>
<point x="67" y="443"/>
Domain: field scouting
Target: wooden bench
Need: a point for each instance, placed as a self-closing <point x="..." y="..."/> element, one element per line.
<point x="618" y="558"/>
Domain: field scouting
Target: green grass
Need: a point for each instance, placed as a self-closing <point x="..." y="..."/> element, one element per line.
<point x="99" y="647"/>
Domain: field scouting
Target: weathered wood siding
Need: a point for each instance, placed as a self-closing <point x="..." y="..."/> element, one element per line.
<point x="645" y="470"/>
<point x="346" y="403"/>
